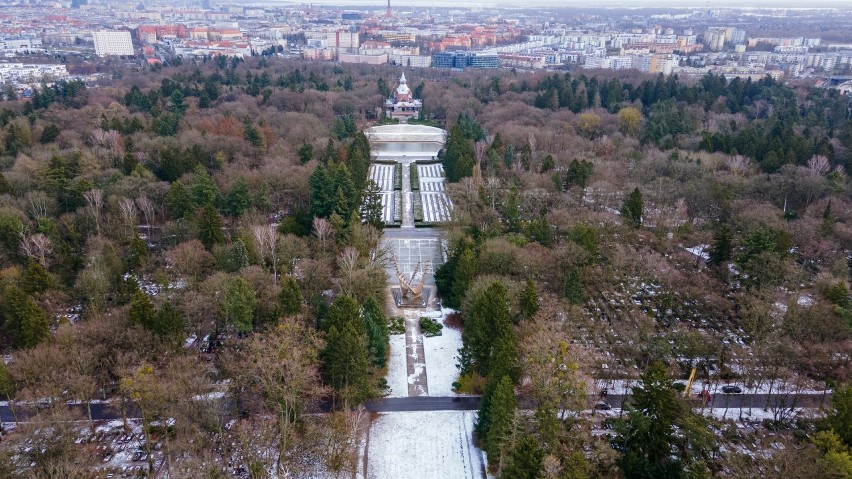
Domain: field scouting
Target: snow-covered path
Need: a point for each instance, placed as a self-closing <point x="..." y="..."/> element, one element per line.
<point x="424" y="445"/>
<point x="415" y="356"/>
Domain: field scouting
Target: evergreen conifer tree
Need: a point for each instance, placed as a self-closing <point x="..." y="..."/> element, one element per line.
<point x="633" y="208"/>
<point x="137" y="253"/>
<point x="238" y="198"/>
<point x="526" y="460"/>
<point x="238" y="304"/>
<point x="346" y="364"/>
<point x="463" y="274"/>
<point x="723" y="248"/>
<point x="529" y="300"/>
<point x="25" y="322"/>
<point x="210" y="227"/>
<point x="179" y="201"/>
<point x="496" y="425"/>
<point x="204" y="189"/>
<point x="377" y="330"/>
<point x="168" y="323"/>
<point x="141" y="312"/>
<point x="372" y="209"/>
<point x="290" y="297"/>
<point x="36" y="279"/>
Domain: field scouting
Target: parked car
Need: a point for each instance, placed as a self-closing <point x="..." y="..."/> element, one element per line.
<point x="731" y="389"/>
<point x="603" y="406"/>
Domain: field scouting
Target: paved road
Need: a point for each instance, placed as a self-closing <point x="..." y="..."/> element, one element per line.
<point x="103" y="411"/>
<point x="424" y="403"/>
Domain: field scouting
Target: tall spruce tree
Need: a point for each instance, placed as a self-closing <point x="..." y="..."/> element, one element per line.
<point x="25" y="322"/>
<point x="238" y="304"/>
<point x="168" y="323"/>
<point x="526" y="459"/>
<point x="496" y="418"/>
<point x="346" y="364"/>
<point x="210" y="227"/>
<point x="489" y="346"/>
<point x="321" y="188"/>
<point x="290" y="297"/>
<point x="359" y="159"/>
<point x="633" y="208"/>
<point x="141" y="311"/>
<point x="238" y="198"/>
<point x="723" y="247"/>
<point x="463" y="274"/>
<point x="377" y="330"/>
<point x="459" y="156"/>
<point x="529" y="300"/>
<point x="36" y="279"/>
<point x="372" y="209"/>
<point x="647" y="435"/>
<point x="179" y="201"/>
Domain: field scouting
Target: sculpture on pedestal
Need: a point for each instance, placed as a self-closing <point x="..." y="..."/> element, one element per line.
<point x="406" y="283"/>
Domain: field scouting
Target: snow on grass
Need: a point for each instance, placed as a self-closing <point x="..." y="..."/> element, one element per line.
<point x="700" y="250"/>
<point x="441" y="353"/>
<point x="423" y="445"/>
<point x="397" y="376"/>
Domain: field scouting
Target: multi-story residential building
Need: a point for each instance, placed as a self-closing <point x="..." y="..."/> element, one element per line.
<point x="463" y="59"/>
<point x="18" y="73"/>
<point x="20" y="44"/>
<point x="113" y="43"/>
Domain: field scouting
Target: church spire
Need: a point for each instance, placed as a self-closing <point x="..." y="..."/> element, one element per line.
<point x="402" y="80"/>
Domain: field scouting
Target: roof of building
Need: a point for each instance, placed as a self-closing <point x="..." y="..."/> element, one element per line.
<point x="402" y="89"/>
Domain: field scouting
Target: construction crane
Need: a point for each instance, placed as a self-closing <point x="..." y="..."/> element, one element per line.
<point x="689" y="384"/>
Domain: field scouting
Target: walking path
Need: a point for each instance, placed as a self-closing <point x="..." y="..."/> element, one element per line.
<point x="415" y="355"/>
<point x="430" y="439"/>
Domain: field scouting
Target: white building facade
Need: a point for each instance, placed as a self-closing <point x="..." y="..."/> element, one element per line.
<point x="113" y="43"/>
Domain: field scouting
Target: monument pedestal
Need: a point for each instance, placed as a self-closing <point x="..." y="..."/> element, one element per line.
<point x="421" y="301"/>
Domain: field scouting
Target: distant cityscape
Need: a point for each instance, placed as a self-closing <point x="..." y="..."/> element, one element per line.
<point x="42" y="41"/>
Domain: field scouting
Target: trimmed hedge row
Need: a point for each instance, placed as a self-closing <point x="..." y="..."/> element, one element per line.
<point x="415" y="178"/>
<point x="397" y="177"/>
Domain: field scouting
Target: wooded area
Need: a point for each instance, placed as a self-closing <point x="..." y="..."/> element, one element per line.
<point x="604" y="228"/>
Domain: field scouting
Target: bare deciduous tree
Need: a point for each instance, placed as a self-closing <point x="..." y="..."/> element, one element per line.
<point x="738" y="164"/>
<point x="94" y="204"/>
<point x="147" y="208"/>
<point x="819" y="165"/>
<point x="37" y="246"/>
<point x="127" y="209"/>
<point x="323" y="230"/>
<point x="266" y="239"/>
<point x="106" y="142"/>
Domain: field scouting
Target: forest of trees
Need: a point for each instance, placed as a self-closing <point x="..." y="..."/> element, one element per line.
<point x="220" y="200"/>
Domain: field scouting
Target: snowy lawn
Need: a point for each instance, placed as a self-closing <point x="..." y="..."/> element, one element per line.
<point x="423" y="445"/>
<point x="397" y="376"/>
<point x="441" y="353"/>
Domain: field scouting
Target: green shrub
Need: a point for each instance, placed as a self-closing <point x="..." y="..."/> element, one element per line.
<point x="397" y="210"/>
<point x="415" y="177"/>
<point x="430" y="327"/>
<point x="396" y="325"/>
<point x="418" y="206"/>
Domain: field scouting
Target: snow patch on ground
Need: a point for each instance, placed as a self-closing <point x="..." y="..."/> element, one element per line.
<point x="700" y="250"/>
<point x="441" y="353"/>
<point x="424" y="445"/>
<point x="397" y="376"/>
